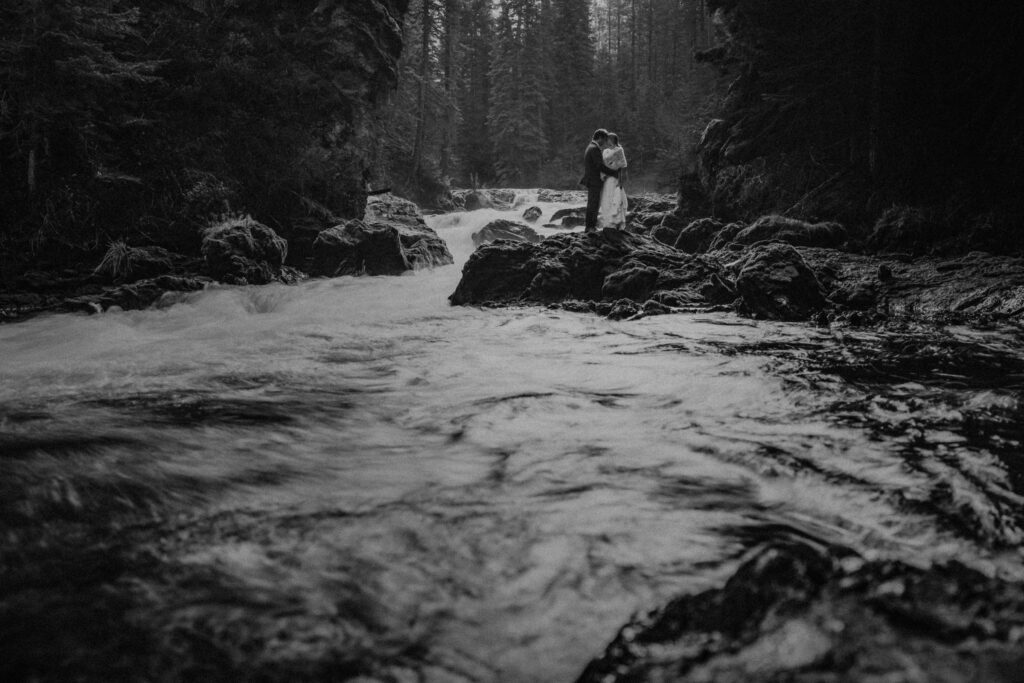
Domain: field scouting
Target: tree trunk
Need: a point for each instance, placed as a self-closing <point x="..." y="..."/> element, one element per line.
<point x="421" y="98"/>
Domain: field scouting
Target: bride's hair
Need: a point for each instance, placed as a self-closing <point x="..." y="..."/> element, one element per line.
<point x="614" y="138"/>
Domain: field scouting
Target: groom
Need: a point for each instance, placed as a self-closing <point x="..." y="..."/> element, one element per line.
<point x="593" y="167"/>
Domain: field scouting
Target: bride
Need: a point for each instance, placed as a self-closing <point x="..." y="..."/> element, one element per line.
<point x="612" y="212"/>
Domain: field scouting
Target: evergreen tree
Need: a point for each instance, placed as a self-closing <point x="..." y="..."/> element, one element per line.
<point x="573" y="85"/>
<point x="474" y="146"/>
<point x="516" y="116"/>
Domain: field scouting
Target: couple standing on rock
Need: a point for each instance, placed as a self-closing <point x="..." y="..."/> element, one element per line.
<point x="606" y="200"/>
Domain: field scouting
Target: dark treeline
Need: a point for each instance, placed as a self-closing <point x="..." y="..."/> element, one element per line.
<point x="508" y="91"/>
<point x="841" y="108"/>
<point x="145" y="122"/>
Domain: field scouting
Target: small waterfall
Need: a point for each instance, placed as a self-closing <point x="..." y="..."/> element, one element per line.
<point x="524" y="198"/>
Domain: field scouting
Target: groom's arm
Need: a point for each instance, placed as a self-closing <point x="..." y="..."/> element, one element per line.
<point x="598" y="160"/>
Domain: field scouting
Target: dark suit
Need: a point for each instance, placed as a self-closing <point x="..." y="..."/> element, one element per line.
<point x="593" y="167"/>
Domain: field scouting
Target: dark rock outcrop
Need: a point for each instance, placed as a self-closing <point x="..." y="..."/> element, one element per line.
<point x="423" y="247"/>
<point x="792" y="231"/>
<point x="561" y="196"/>
<point x="696" y="237"/>
<point x="804" y="613"/>
<point x="477" y="200"/>
<point x="668" y="227"/>
<point x="533" y="214"/>
<point x="504" y="230"/>
<point x="242" y="251"/>
<point x="775" y="282"/>
<point x="609" y="265"/>
<point x="391" y="240"/>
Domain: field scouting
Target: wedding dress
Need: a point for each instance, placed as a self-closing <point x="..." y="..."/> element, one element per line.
<point x="612" y="211"/>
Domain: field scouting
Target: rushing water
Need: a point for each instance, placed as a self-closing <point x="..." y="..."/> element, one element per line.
<point x="353" y="470"/>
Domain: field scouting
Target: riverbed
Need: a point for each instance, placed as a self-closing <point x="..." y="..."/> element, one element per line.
<point x="351" y="478"/>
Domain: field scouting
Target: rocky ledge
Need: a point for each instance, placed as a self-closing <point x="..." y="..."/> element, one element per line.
<point x="804" y="613"/>
<point x="775" y="268"/>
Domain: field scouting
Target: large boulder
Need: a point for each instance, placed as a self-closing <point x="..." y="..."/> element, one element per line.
<point x="478" y="200"/>
<point x="696" y="237"/>
<point x="504" y="230"/>
<point x="532" y="214"/>
<point x="570" y="217"/>
<point x="392" y="239"/>
<point x="608" y="265"/>
<point x="243" y="251"/>
<point x="725" y="236"/>
<point x="774" y="282"/>
<point x="805" y="613"/>
<point x="358" y="248"/>
<point x="792" y="231"/>
<point x="423" y="247"/>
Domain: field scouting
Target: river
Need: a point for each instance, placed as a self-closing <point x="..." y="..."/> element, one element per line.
<point x="350" y="477"/>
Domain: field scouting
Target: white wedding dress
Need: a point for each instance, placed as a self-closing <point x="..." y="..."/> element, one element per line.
<point x="612" y="211"/>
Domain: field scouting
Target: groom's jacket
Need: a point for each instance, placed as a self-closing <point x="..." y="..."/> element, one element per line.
<point x="593" y="167"/>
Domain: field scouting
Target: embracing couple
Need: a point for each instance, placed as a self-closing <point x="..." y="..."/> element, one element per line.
<point x="606" y="200"/>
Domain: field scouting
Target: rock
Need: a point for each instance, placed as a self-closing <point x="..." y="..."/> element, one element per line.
<point x="623" y="309"/>
<point x="801" y="612"/>
<point x="792" y="231"/>
<point x="242" y="251"/>
<point x="907" y="229"/>
<point x="477" y="200"/>
<point x="668" y="228"/>
<point x="884" y="272"/>
<point x="774" y="282"/>
<point x="561" y="196"/>
<point x="504" y="230"/>
<point x="652" y="203"/>
<point x="134" y="296"/>
<point x="423" y="247"/>
<point x="602" y="266"/>
<point x="358" y="248"/>
<point x="696" y="237"/>
<point x="725" y="236"/>
<point x="532" y="214"/>
<point x="576" y="212"/>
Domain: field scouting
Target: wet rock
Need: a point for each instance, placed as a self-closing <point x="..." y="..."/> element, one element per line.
<point x="358" y="248"/>
<point x="602" y="266"/>
<point x="532" y="214"/>
<point x="477" y="200"/>
<point x="504" y="230"/>
<point x="792" y="231"/>
<point x="243" y="251"/>
<point x="423" y="247"/>
<point x="623" y="309"/>
<point x="725" y="236"/>
<point x="652" y="203"/>
<point x="697" y="236"/>
<point x="668" y="228"/>
<point x="971" y="287"/>
<point x="884" y="272"/>
<point x="561" y="196"/>
<point x="774" y="282"/>
<point x="137" y="295"/>
<point x="805" y="613"/>
<point x="571" y="217"/>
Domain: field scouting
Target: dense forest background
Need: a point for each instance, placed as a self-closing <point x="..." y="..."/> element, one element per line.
<point x="508" y="92"/>
<point x="145" y="123"/>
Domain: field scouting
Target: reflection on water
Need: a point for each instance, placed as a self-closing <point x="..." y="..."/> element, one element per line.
<point x="349" y="477"/>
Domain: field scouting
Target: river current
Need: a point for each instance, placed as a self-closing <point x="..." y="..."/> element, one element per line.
<point x="353" y="470"/>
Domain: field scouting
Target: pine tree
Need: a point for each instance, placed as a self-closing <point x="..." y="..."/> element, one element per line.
<point x="516" y="117"/>
<point x="474" y="147"/>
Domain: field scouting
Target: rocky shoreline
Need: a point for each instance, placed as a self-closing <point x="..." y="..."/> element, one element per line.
<point x="775" y="268"/>
<point x="390" y="239"/>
